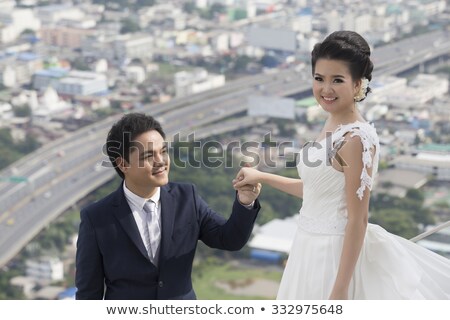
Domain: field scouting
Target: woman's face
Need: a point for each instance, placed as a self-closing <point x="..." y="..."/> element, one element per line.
<point x="333" y="86"/>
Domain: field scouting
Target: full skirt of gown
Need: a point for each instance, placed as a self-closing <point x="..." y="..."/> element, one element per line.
<point x="389" y="267"/>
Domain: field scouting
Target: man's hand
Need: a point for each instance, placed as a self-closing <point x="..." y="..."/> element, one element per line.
<point x="248" y="193"/>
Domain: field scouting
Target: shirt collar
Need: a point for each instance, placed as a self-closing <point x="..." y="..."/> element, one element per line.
<point x="138" y="201"/>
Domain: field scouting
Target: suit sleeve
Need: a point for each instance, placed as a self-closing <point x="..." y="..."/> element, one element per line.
<point x="217" y="232"/>
<point x="89" y="277"/>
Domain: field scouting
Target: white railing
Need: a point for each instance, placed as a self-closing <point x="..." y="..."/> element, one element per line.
<point x="431" y="231"/>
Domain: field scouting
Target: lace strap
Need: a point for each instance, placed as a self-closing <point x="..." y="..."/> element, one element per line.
<point x="369" y="140"/>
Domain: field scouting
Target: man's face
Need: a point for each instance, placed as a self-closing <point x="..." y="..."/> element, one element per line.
<point x="149" y="162"/>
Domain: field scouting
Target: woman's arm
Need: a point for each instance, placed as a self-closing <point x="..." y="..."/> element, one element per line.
<point x="357" y="210"/>
<point x="252" y="176"/>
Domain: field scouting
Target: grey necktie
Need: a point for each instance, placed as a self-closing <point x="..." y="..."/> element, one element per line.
<point x="152" y="231"/>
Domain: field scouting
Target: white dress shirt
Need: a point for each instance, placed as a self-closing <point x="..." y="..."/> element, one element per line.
<point x="137" y="203"/>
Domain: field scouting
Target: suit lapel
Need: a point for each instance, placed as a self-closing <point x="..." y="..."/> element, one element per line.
<point x="167" y="220"/>
<point x="122" y="212"/>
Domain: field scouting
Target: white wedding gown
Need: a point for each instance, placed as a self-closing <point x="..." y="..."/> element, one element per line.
<point x="389" y="267"/>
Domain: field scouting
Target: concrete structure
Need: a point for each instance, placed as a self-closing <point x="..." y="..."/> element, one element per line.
<point x="136" y="74"/>
<point x="133" y="46"/>
<point x="430" y="163"/>
<point x="45" y="268"/>
<point x="82" y="83"/>
<point x="162" y="12"/>
<point x="333" y="21"/>
<point x="429" y="7"/>
<point x="276" y="235"/>
<point x="271" y="106"/>
<point x="271" y="38"/>
<point x="24" y="284"/>
<point x="6" y="113"/>
<point x="14" y="22"/>
<point x="48" y="293"/>
<point x="63" y="36"/>
<point x="396" y="182"/>
<point x="8" y="76"/>
<point x="199" y="80"/>
<point x="70" y="82"/>
<point x="52" y="14"/>
<point x="118" y="49"/>
<point x="419" y="91"/>
<point x="303" y="22"/>
<point x="48" y="77"/>
<point x="384" y="86"/>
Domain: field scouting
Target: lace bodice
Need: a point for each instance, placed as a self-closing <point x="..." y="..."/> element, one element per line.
<point x="324" y="203"/>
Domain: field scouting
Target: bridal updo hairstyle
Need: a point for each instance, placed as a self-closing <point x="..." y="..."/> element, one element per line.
<point x="347" y="46"/>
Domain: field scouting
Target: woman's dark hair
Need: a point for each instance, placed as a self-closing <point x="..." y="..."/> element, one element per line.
<point x="120" y="139"/>
<point x="347" y="46"/>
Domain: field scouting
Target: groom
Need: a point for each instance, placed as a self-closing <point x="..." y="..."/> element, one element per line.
<point x="139" y="242"/>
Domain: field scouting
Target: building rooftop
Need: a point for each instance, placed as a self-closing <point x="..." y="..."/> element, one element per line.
<point x="276" y="235"/>
<point x="27" y="56"/>
<point x="49" y="293"/>
<point x="53" y="72"/>
<point x="306" y="102"/>
<point x="402" y="178"/>
<point x="67" y="294"/>
<point x="434" y="147"/>
<point x="425" y="159"/>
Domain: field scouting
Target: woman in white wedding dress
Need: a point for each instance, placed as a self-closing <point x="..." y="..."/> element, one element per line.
<point x="336" y="253"/>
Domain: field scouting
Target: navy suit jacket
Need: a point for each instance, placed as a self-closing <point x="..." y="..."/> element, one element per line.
<point x="111" y="260"/>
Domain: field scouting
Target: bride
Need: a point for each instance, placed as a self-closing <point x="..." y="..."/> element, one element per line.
<point x="336" y="253"/>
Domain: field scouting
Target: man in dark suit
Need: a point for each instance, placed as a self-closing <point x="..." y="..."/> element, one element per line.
<point x="139" y="242"/>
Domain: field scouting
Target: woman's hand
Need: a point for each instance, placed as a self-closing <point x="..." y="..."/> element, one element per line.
<point x="247" y="176"/>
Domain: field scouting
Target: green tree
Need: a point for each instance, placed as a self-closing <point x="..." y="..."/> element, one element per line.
<point x="241" y="62"/>
<point x="414" y="201"/>
<point x="28" y="31"/>
<point x="415" y="194"/>
<point x="22" y="111"/>
<point x="213" y="11"/>
<point x="79" y="64"/>
<point x="136" y="4"/>
<point x="269" y="61"/>
<point x="129" y="26"/>
<point x="145" y="3"/>
<point x="240" y="14"/>
<point x="412" y="204"/>
<point x="8" y="292"/>
<point x="267" y="213"/>
<point x="189" y="7"/>
<point x="217" y="8"/>
<point x="28" y="145"/>
<point x="396" y="221"/>
<point x="11" y="151"/>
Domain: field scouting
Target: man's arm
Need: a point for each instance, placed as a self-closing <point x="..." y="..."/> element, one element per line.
<point x="89" y="278"/>
<point x="217" y="232"/>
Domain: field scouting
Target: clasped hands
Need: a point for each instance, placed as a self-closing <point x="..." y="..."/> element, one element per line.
<point x="248" y="188"/>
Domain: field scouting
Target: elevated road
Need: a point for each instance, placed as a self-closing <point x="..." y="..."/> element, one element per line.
<point x="62" y="172"/>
